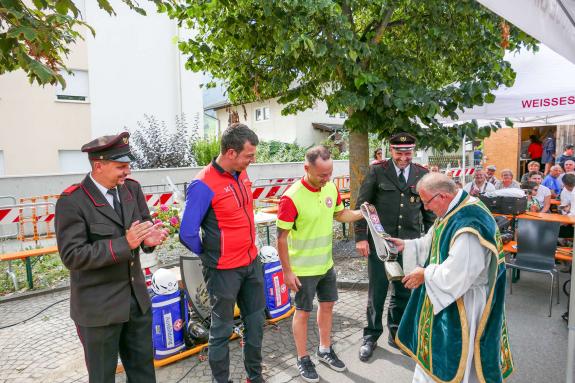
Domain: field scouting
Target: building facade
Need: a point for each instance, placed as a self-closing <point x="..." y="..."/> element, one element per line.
<point x="130" y="68"/>
<point x="306" y="128"/>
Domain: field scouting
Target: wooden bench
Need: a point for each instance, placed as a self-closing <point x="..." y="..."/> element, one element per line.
<point x="270" y="209"/>
<point x="26" y="256"/>
<point x="562" y="253"/>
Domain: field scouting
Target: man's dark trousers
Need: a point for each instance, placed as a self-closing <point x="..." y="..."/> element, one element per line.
<point x="132" y="340"/>
<point x="246" y="286"/>
<point x="377" y="292"/>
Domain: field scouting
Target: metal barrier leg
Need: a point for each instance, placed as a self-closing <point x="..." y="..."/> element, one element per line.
<point x="12" y="275"/>
<point x="29" y="273"/>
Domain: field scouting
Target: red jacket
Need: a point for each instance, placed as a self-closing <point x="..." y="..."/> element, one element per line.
<point x="222" y="206"/>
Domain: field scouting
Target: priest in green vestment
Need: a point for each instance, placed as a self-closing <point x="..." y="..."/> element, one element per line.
<point x="454" y="324"/>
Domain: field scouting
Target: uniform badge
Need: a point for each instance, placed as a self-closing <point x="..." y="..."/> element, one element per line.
<point x="328" y="202"/>
<point x="125" y="139"/>
<point x="412" y="199"/>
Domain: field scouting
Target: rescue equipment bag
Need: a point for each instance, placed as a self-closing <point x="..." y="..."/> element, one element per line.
<point x="168" y="324"/>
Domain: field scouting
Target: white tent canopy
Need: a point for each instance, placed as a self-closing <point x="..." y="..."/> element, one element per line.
<point x="543" y="92"/>
<point x="553" y="23"/>
<point x="550" y="21"/>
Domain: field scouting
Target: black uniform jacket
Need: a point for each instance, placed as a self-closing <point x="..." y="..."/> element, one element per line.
<point x="92" y="244"/>
<point x="400" y="209"/>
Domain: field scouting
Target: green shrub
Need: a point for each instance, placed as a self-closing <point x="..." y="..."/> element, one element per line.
<point x="275" y="151"/>
<point x="48" y="272"/>
<point x="205" y="150"/>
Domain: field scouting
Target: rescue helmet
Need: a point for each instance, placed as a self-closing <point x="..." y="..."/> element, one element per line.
<point x="164" y="282"/>
<point x="196" y="334"/>
<point x="268" y="254"/>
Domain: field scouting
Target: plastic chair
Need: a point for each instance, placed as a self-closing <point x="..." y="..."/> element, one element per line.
<point x="536" y="246"/>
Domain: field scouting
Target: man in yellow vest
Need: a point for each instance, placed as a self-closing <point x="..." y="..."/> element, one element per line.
<point x="305" y="235"/>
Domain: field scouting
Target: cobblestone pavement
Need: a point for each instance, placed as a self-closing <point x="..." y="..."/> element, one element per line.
<point x="46" y="348"/>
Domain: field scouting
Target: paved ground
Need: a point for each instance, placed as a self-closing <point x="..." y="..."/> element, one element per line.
<point x="46" y="348"/>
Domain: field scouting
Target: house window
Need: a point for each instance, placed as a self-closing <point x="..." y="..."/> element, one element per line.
<point x="338" y="115"/>
<point x="263" y="113"/>
<point x="73" y="161"/>
<point x="77" y="88"/>
<point x="343" y="115"/>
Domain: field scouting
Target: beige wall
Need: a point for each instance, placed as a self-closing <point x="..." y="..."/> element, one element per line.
<point x="291" y="128"/>
<point x="501" y="149"/>
<point x="306" y="134"/>
<point x="34" y="126"/>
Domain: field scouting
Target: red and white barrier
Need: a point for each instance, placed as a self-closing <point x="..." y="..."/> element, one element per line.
<point x="9" y="215"/>
<point x="272" y="189"/>
<point x="12" y="215"/>
<point x="155" y="200"/>
<point x="457" y="172"/>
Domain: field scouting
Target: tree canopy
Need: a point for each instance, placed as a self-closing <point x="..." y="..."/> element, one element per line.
<point x="36" y="35"/>
<point x="392" y="65"/>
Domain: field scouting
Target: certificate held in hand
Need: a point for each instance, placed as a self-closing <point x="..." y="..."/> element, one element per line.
<point x="386" y="250"/>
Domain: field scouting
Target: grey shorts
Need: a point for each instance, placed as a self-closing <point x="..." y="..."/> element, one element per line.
<point x="324" y="285"/>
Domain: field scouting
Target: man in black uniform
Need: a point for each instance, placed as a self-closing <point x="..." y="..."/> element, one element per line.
<point x="390" y="186"/>
<point x="100" y="225"/>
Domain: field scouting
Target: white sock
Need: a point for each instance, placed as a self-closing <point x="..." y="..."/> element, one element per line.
<point x="323" y="349"/>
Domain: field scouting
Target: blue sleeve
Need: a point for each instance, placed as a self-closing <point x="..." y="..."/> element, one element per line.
<point x="198" y="201"/>
<point x="549" y="183"/>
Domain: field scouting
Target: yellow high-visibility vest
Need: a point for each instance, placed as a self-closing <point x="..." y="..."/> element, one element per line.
<point x="311" y="235"/>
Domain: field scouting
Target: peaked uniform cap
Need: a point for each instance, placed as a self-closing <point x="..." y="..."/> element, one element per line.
<point x="112" y="148"/>
<point x="402" y="142"/>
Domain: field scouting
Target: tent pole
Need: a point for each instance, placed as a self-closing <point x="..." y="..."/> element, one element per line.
<point x="571" y="327"/>
<point x="463" y="162"/>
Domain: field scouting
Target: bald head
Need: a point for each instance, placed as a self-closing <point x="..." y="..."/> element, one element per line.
<point x="555" y="171"/>
<point x="437" y="183"/>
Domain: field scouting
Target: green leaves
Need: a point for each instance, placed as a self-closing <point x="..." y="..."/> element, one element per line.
<point x="426" y="61"/>
<point x="24" y="32"/>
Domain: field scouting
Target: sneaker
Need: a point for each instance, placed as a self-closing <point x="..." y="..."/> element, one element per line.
<point x="307" y="369"/>
<point x="331" y="359"/>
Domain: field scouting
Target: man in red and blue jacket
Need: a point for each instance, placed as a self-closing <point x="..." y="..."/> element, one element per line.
<point x="219" y="201"/>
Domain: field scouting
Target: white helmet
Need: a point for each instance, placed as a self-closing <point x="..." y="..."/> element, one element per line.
<point x="164" y="282"/>
<point x="268" y="254"/>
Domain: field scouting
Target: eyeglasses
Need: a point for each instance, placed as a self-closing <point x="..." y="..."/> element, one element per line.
<point x="431" y="199"/>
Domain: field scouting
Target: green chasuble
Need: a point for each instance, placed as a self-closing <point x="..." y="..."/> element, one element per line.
<point x="440" y="343"/>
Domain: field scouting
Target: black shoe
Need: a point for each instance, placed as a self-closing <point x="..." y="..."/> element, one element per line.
<point x="331" y="359"/>
<point x="366" y="349"/>
<point x="307" y="369"/>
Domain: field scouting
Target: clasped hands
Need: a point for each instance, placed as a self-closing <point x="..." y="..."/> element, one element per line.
<point x="147" y="233"/>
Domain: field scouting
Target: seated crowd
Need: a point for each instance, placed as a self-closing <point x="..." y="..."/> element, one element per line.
<point x="540" y="190"/>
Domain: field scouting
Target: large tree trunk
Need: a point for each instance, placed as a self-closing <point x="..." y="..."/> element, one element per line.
<point x="358" y="164"/>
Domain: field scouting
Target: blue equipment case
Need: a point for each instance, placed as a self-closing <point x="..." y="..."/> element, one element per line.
<point x="278" y="300"/>
<point x="168" y="324"/>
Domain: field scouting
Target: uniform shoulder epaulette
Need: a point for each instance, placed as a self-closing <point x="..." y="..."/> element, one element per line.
<point x="131" y="179"/>
<point x="71" y="189"/>
<point x="383" y="163"/>
<point x="420" y="166"/>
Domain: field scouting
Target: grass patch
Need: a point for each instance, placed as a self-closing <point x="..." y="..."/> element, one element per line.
<point x="47" y="271"/>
